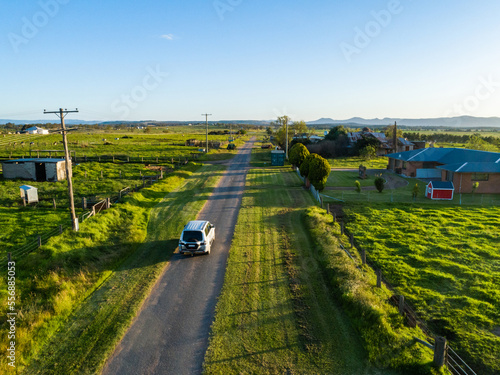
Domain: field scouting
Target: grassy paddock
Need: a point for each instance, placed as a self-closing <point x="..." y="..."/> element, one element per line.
<point x="446" y="262"/>
<point x="353" y="162"/>
<point x="283" y="309"/>
<point x="77" y="295"/>
<point x="347" y="179"/>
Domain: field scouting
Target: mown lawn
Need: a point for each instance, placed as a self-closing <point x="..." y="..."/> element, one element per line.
<point x="275" y="314"/>
<point x="353" y="162"/>
<point x="77" y="295"/>
<point x="446" y="261"/>
<point x="348" y="179"/>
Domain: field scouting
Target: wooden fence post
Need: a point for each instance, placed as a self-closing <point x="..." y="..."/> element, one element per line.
<point x="128" y="159"/>
<point x="108" y="203"/>
<point x="363" y="256"/>
<point x="54" y="203"/>
<point x="120" y="174"/>
<point x="142" y="159"/>
<point x="85" y="174"/>
<point x="113" y="158"/>
<point x="101" y="174"/>
<point x="99" y="158"/>
<point x="60" y="228"/>
<point x="85" y="158"/>
<point x="351" y="240"/>
<point x="379" y="278"/>
<point x="440" y="347"/>
<point x="401" y="305"/>
<point x="157" y="159"/>
<point x="84" y="203"/>
<point x="39" y="241"/>
<point x="328" y="209"/>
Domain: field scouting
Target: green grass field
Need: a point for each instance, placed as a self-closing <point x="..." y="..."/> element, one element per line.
<point x="90" y="179"/>
<point x="353" y="162"/>
<point x="78" y="294"/>
<point x="279" y="310"/>
<point x="446" y="261"/>
<point x="262" y="320"/>
<point x="347" y="179"/>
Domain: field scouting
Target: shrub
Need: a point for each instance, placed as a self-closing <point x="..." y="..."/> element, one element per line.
<point x="298" y="154"/>
<point x="319" y="170"/>
<point x="379" y="184"/>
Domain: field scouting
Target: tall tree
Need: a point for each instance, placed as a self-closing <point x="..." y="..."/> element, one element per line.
<point x="298" y="153"/>
<point x="336" y="132"/>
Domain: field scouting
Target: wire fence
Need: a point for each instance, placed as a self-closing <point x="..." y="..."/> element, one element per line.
<point x="454" y="363"/>
<point x="92" y="210"/>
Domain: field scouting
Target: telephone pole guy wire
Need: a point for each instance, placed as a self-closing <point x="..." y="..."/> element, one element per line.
<point x="61" y="114"/>
<point x="206" y="121"/>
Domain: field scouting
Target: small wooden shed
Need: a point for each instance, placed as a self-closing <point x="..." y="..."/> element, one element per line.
<point x="440" y="190"/>
<point x="29" y="194"/>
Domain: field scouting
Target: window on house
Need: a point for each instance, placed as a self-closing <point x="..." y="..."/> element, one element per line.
<point x="404" y="165"/>
<point x="480" y="177"/>
<point x="449" y="176"/>
<point x="428" y="165"/>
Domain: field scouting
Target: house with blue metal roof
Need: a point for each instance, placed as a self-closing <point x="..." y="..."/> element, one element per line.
<point x="463" y="167"/>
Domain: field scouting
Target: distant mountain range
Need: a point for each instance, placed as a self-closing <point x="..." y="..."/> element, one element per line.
<point x="452" y="122"/>
<point x="461" y="121"/>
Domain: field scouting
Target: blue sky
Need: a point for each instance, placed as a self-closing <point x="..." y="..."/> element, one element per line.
<point x="242" y="59"/>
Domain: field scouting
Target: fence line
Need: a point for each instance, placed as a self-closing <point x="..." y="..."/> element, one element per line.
<point x="455" y="364"/>
<point x="95" y="209"/>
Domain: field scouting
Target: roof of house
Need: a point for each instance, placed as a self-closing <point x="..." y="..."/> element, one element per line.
<point x="442" y="185"/>
<point x="447" y="155"/>
<point x="472" y="167"/>
<point x="460" y="160"/>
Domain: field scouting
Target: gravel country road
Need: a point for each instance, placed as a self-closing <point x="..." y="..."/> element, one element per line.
<point x="170" y="334"/>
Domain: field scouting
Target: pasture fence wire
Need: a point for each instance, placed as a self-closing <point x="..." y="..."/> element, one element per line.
<point x="443" y="353"/>
<point x="92" y="207"/>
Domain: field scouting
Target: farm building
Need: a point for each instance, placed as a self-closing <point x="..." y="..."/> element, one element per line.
<point x="36" y="130"/>
<point x="35" y="169"/>
<point x="440" y="190"/>
<point x="463" y="167"/>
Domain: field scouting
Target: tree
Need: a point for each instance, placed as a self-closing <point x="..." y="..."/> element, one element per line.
<point x="304" y="167"/>
<point x="368" y="152"/>
<point x="476" y="142"/>
<point x="281" y="133"/>
<point x="389" y="132"/>
<point x="358" y="186"/>
<point x="298" y="154"/>
<point x="319" y="170"/>
<point x="379" y="184"/>
<point x="269" y="131"/>
<point x="415" y="191"/>
<point x="300" y="127"/>
<point x="475" y="185"/>
<point x="336" y="132"/>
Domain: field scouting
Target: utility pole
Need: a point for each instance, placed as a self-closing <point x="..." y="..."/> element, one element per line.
<point x="206" y="121"/>
<point x="61" y="114"/>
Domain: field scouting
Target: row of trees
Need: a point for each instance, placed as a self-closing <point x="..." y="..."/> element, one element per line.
<point x="313" y="167"/>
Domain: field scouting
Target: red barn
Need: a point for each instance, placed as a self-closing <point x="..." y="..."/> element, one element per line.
<point x="440" y="190"/>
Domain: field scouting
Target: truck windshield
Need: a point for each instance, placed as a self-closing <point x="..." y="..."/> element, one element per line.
<point x="192" y="236"/>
